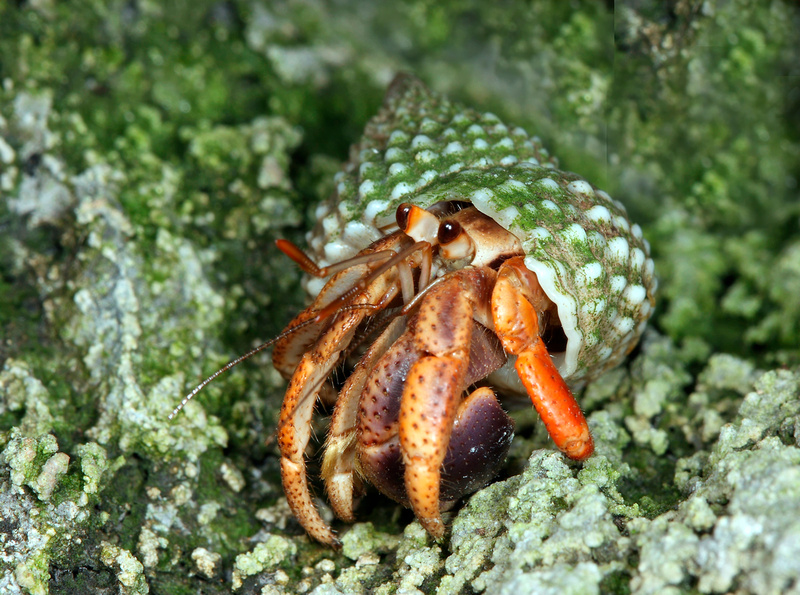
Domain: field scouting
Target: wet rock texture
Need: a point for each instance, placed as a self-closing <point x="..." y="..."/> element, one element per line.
<point x="149" y="156"/>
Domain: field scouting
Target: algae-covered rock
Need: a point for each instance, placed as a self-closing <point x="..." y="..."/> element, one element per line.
<point x="151" y="153"/>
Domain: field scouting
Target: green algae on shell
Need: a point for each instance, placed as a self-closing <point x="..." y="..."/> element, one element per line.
<point x="590" y="259"/>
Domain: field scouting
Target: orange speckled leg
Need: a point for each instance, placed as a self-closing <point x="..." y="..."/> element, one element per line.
<point x="338" y="465"/>
<point x="429" y="403"/>
<point x="515" y="300"/>
<point x="294" y="427"/>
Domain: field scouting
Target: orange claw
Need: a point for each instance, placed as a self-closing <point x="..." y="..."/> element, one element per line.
<point x="516" y="322"/>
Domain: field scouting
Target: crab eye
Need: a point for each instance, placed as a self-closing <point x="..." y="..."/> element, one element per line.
<point x="454" y="241"/>
<point x="403" y="215"/>
<point x="449" y="232"/>
<point x="417" y="223"/>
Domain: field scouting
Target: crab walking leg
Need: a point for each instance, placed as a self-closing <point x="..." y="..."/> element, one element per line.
<point x="515" y="300"/>
<point x="428" y="406"/>
<point x="294" y="427"/>
<point x="339" y="461"/>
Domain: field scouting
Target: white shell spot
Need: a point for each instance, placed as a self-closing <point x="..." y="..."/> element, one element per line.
<point x="395" y="169"/>
<point x="581" y="187"/>
<point x="366" y="188"/>
<point x="603" y="195"/>
<point x="622" y="223"/>
<point x="330" y="224"/>
<point x="519" y="131"/>
<point x="344" y="209"/>
<point x="618" y="283"/>
<point x="426" y="178"/>
<point x="508" y="160"/>
<point x="573" y="234"/>
<point x="427" y="125"/>
<point x="341" y="187"/>
<point x="597" y="240"/>
<point x="550" y="206"/>
<point x="570" y="211"/>
<point x="314" y="285"/>
<point x="421" y="140"/>
<point x="506" y="217"/>
<point x="489" y="117"/>
<point x="504" y="143"/>
<point x="453" y="147"/>
<point x="647" y="270"/>
<point x="549" y="183"/>
<point x="541" y="233"/>
<point x="637" y="259"/>
<point x="481" y="197"/>
<point x="599" y="213"/>
<point x="397" y="137"/>
<point x="589" y="273"/>
<point x="595" y="307"/>
<point x="425" y="156"/>
<point x="321" y="210"/>
<point x="394" y="154"/>
<point x="482" y="162"/>
<point x="459" y="118"/>
<point x="364" y="169"/>
<point x="448" y="132"/>
<point x="480" y="145"/>
<point x="358" y="235"/>
<point x="401" y="190"/>
<point x="635" y="294"/>
<point x="456" y="167"/>
<point x="617" y="250"/>
<point x="604" y="353"/>
<point x="624" y="325"/>
<point x="500" y="128"/>
<point x="531" y="161"/>
<point x="375" y="208"/>
<point x="475" y="130"/>
<point x="337" y="251"/>
<point x="338" y="176"/>
<point x="644" y="310"/>
<point x="636" y="231"/>
<point x="512" y="187"/>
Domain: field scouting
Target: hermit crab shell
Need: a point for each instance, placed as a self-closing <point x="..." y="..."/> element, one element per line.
<point x="591" y="261"/>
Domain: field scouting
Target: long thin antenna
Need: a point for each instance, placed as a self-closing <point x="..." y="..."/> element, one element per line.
<point x="261" y="347"/>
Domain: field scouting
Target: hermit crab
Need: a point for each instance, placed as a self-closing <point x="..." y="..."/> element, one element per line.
<point x="453" y="259"/>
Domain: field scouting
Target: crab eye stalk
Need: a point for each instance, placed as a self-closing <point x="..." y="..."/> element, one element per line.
<point x="417" y="223"/>
<point x="454" y="242"/>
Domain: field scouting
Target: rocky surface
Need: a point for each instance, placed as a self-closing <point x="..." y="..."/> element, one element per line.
<point x="148" y="158"/>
